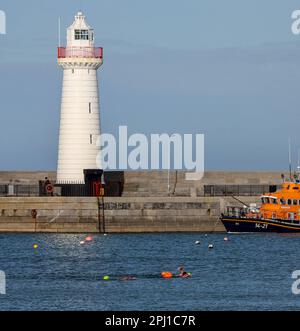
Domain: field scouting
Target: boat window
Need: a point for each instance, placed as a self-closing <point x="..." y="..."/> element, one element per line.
<point x="282" y="201"/>
<point x="275" y="201"/>
<point x="295" y="202"/>
<point x="296" y="188"/>
<point x="289" y="202"/>
<point x="267" y="200"/>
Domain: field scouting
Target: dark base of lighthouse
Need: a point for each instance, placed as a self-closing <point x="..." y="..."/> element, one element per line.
<point x="97" y="182"/>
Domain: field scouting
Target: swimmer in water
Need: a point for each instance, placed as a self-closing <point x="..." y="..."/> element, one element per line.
<point x="183" y="273"/>
<point x="128" y="278"/>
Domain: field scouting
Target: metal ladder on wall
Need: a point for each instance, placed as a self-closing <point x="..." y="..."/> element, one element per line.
<point x="101" y="214"/>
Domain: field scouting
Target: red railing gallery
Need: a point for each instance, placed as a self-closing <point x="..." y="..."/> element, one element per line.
<point x="80" y="52"/>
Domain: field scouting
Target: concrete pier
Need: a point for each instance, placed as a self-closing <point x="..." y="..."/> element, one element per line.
<point x="144" y="207"/>
<point x="75" y="215"/>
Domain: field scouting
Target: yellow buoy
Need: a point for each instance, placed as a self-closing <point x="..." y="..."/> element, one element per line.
<point x="35" y="246"/>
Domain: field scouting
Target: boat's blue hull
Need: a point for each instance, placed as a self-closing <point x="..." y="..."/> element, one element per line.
<point x="235" y="224"/>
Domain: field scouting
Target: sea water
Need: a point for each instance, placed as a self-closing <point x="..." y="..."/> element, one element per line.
<point x="247" y="272"/>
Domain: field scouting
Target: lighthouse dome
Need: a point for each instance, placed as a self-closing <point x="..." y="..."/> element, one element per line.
<point x="80" y="33"/>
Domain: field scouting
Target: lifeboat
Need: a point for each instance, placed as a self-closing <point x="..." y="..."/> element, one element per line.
<point x="278" y="212"/>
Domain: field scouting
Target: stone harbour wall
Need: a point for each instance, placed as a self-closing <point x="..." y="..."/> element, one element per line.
<point x="155" y="183"/>
<point x="144" y="206"/>
<point x="121" y="215"/>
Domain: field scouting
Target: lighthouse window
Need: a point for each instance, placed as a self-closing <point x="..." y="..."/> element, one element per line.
<point x="91" y="138"/>
<point x="81" y="34"/>
<point x="90" y="108"/>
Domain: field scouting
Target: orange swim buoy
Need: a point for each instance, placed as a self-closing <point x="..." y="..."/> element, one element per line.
<point x="166" y="274"/>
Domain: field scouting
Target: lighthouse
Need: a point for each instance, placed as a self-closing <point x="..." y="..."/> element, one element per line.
<point x="80" y="117"/>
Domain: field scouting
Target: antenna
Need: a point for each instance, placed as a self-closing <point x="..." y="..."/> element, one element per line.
<point x="59" y="41"/>
<point x="298" y="166"/>
<point x="290" y="159"/>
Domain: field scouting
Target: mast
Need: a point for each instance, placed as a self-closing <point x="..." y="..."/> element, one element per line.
<point x="290" y="160"/>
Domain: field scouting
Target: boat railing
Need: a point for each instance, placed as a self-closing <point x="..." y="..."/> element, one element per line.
<point x="233" y="211"/>
<point x="238" y="190"/>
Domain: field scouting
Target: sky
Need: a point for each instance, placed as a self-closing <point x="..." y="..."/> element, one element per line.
<point x="228" y="69"/>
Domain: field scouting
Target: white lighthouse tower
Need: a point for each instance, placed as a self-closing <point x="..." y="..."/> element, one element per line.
<point x="80" y="119"/>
